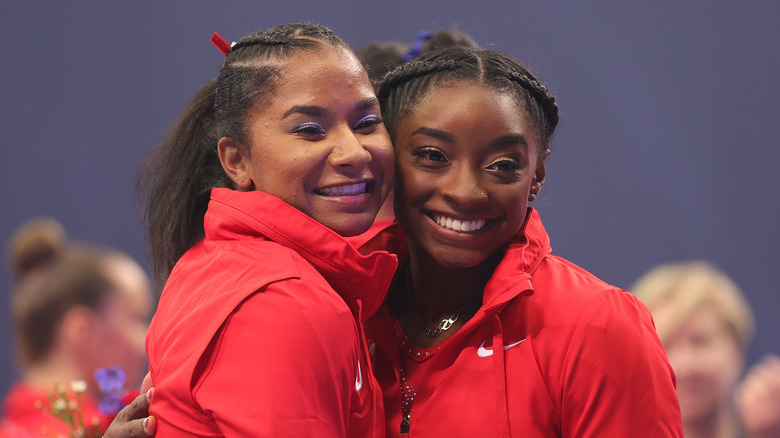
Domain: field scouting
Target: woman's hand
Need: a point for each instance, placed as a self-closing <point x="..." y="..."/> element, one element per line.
<point x="758" y="400"/>
<point x="133" y="421"/>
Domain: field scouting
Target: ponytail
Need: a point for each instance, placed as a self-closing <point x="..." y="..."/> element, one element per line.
<point x="175" y="183"/>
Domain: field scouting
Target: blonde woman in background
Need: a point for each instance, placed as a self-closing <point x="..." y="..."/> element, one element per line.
<point x="706" y="326"/>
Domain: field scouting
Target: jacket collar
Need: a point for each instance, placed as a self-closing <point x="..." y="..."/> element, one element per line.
<point x="236" y="215"/>
<point x="512" y="276"/>
<point x="522" y="256"/>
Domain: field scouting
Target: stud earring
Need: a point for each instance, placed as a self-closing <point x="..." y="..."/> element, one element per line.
<point x="532" y="196"/>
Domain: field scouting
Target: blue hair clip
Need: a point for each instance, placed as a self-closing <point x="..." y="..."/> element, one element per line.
<point x="414" y="52"/>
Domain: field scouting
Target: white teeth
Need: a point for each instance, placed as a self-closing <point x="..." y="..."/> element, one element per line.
<point x="352" y="189"/>
<point x="459" y="225"/>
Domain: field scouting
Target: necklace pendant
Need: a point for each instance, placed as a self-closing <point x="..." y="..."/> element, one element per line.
<point x="446" y="324"/>
<point x="405" y="424"/>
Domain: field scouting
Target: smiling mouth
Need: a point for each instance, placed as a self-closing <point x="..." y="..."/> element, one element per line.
<point x="347" y="190"/>
<point x="458" y="225"/>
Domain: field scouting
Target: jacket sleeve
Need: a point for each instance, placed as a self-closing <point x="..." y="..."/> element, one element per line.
<point x="283" y="364"/>
<point x="616" y="379"/>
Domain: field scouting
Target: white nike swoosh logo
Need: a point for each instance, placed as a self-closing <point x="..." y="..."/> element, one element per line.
<point x="487" y="352"/>
<point x="359" y="379"/>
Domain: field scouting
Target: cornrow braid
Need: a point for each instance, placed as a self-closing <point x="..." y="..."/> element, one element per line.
<point x="282" y="41"/>
<point x="260" y="39"/>
<point x="540" y="93"/>
<point x="405" y="87"/>
<point x="410" y="70"/>
<point x="248" y="75"/>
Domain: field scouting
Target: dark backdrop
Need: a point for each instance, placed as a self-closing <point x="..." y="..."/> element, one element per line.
<point x="668" y="147"/>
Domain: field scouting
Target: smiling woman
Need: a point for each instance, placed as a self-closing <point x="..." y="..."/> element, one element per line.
<point x="454" y="214"/>
<point x="485" y="332"/>
<point x="248" y="199"/>
<point x="330" y="158"/>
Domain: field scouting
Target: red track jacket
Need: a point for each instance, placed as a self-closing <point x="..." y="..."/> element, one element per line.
<point x="250" y="338"/>
<point x="552" y="352"/>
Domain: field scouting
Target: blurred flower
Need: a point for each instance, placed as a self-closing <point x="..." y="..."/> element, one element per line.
<point x="111" y="404"/>
<point x="78" y="386"/>
<point x="59" y="405"/>
<point x="110" y="379"/>
<point x="66" y="405"/>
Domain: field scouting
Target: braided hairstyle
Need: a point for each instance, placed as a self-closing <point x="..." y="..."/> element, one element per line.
<point x="405" y="87"/>
<point x="175" y="181"/>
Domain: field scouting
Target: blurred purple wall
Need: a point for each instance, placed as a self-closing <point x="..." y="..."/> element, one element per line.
<point x="668" y="147"/>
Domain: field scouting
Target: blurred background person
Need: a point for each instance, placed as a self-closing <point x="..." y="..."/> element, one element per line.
<point x="758" y="400"/>
<point x="706" y="326"/>
<point x="76" y="308"/>
<point x="381" y="57"/>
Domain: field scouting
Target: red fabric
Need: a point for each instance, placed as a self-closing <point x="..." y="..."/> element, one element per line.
<point x="251" y="339"/>
<point x="21" y="418"/>
<point x="376" y="228"/>
<point x="580" y="358"/>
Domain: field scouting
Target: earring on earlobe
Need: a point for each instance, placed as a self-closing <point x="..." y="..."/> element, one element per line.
<point x="532" y="196"/>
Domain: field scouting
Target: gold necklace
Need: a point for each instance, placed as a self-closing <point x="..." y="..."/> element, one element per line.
<point x="443" y="325"/>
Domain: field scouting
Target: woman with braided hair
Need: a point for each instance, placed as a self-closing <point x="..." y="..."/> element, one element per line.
<point x="484" y="332"/>
<point x="249" y="198"/>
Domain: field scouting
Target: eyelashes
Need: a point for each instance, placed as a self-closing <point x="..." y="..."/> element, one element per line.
<point x="312" y="128"/>
<point x="368" y="121"/>
<point x="430" y="154"/>
<point x="505" y="166"/>
<point x="309" y="128"/>
<point x="433" y="156"/>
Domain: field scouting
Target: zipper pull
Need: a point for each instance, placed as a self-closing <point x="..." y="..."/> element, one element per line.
<point x="405" y="424"/>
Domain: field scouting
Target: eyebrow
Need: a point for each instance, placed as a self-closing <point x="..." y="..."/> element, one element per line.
<point x="435" y="133"/>
<point x="318" y="111"/>
<point x="367" y="103"/>
<point x="446" y="136"/>
<point x="309" y="110"/>
<point x="509" y="140"/>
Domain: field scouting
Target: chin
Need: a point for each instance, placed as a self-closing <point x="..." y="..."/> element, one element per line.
<point x="352" y="228"/>
<point x="457" y="258"/>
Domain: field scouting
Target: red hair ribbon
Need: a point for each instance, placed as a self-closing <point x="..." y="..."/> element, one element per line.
<point x="221" y="44"/>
